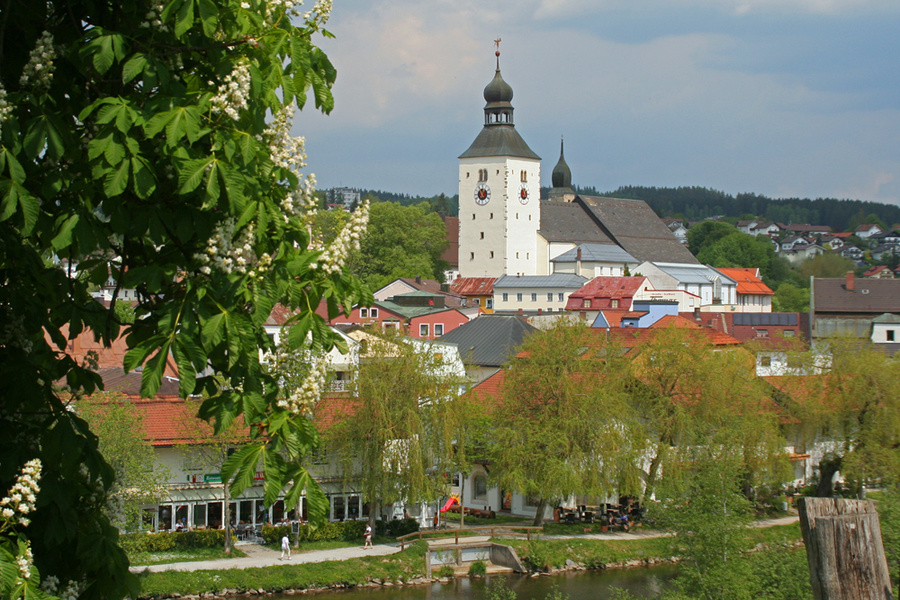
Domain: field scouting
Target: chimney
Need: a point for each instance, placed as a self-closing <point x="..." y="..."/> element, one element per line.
<point x="849" y="285"/>
<point x="540" y="311"/>
<point x="578" y="261"/>
<point x="520" y="312"/>
<point x="418" y="279"/>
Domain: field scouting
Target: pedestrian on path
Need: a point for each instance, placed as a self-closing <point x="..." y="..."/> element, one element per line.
<point x="285" y="547"/>
<point x="368" y="543"/>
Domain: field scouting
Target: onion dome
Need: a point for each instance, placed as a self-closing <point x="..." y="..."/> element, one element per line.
<point x="498" y="91"/>
<point x="562" y="175"/>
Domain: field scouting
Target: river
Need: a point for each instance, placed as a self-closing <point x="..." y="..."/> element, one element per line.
<point x="575" y="585"/>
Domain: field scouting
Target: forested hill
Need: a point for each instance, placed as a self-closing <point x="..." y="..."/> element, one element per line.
<point x="698" y="203"/>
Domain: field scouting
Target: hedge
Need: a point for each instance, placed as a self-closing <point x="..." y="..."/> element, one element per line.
<point x="348" y="531"/>
<point x="160" y="542"/>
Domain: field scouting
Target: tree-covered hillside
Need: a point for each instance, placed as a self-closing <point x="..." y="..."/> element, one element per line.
<point x="698" y="203"/>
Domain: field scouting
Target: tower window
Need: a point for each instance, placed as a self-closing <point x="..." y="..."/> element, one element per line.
<point x="492" y="254"/>
<point x="471" y="256"/>
<point x="482" y="235"/>
<point x="492" y="215"/>
<point x="482" y="175"/>
<point x="523" y="176"/>
<point x="473" y="216"/>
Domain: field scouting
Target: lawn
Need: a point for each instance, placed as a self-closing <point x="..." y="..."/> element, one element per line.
<point x="186" y="555"/>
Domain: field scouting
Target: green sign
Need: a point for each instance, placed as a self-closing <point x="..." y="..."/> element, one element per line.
<point x="213" y="478"/>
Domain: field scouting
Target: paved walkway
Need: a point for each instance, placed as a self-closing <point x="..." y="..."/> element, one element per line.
<point x="260" y="556"/>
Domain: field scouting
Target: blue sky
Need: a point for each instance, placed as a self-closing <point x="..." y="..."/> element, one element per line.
<point x="787" y="98"/>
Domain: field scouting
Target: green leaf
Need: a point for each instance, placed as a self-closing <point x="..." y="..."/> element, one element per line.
<point x="192" y="172"/>
<point x="116" y="181"/>
<point x="242" y="467"/>
<point x="16" y="172"/>
<point x="64" y="237"/>
<point x="136" y="356"/>
<point x="212" y="185"/>
<point x="144" y="179"/>
<point x="154" y="368"/>
<point x="209" y="17"/>
<point x="299" y="331"/>
<point x="213" y="330"/>
<point x="185" y="19"/>
<point x="134" y="67"/>
<point x="187" y="375"/>
<point x="274" y="481"/>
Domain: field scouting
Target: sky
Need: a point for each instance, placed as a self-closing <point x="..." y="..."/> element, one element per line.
<point x="784" y="98"/>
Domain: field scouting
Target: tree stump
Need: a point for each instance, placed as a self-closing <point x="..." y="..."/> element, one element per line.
<point x="844" y="550"/>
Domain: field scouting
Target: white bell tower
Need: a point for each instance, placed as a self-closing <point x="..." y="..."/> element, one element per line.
<point x="499" y="193"/>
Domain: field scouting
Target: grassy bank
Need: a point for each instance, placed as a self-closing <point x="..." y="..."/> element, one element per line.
<point x="402" y="567"/>
<point x="180" y="555"/>
<point x="409" y="565"/>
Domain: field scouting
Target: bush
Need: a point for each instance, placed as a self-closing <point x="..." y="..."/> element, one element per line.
<point x="446" y="571"/>
<point x="399" y="527"/>
<point x="477" y="569"/>
<point x="347" y="531"/>
<point x="134" y="543"/>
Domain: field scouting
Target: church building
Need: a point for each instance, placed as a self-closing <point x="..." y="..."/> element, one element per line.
<point x="505" y="228"/>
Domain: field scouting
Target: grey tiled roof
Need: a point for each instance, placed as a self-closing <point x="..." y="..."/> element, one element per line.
<point x="596" y="253"/>
<point x="499" y="140"/>
<point x="489" y="340"/>
<point x="874" y="296"/>
<point x="700" y="274"/>
<point x="566" y="222"/>
<point x="634" y="226"/>
<point x="556" y="280"/>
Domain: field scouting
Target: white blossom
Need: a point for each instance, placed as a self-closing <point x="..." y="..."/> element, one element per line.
<point x="22" y="496"/>
<point x="286" y="151"/>
<point x="320" y="13"/>
<point x="336" y="255"/>
<point x="233" y="93"/>
<point x="38" y="71"/>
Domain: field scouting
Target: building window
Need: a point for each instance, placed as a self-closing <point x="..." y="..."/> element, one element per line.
<point x="477" y="301"/>
<point x="492" y="254"/>
<point x="587" y="303"/>
<point x="391" y="325"/>
<point x="549" y="296"/>
<point x="373" y="312"/>
<point x="480" y="485"/>
<point x="423" y="329"/>
<point x="763" y="333"/>
<point x="364" y="313"/>
<point x="505" y="297"/>
<point x="890" y="335"/>
<point x="471" y="256"/>
<point x="517" y="255"/>
<point x="614" y="303"/>
<point x="765" y="361"/>
<point x="559" y="297"/>
<point x="518" y="297"/>
<point x="482" y="235"/>
<point x="438" y="329"/>
<point x="789" y="333"/>
<point x="492" y="215"/>
<point x="534" y="297"/>
<point x="482" y="174"/>
<point x="523" y="176"/>
<point x="489" y="303"/>
<point x="473" y="216"/>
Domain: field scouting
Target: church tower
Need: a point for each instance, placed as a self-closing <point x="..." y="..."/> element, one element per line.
<point x="499" y="193"/>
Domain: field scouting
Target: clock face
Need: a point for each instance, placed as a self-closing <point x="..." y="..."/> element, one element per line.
<point x="482" y="194"/>
<point x="523" y="194"/>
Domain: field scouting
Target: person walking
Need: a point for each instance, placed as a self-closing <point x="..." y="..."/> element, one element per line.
<point x="285" y="547"/>
<point x="368" y="543"/>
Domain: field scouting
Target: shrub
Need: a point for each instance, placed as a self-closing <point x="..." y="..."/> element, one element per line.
<point x="477" y="569"/>
<point x="347" y="531"/>
<point x="399" y="527"/>
<point x="446" y="571"/>
<point x="134" y="543"/>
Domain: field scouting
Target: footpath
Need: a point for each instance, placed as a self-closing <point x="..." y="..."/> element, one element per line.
<point x="260" y="556"/>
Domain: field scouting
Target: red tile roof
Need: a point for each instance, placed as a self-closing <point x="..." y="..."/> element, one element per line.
<point x="490" y="391"/>
<point x="473" y="286"/>
<point x="748" y="281"/>
<point x="610" y="287"/>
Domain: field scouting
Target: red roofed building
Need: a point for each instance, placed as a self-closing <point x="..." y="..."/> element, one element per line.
<point x="752" y="294"/>
<point x="607" y="293"/>
<point x="477" y="290"/>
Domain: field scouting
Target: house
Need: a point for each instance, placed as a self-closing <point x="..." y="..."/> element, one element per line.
<point x="853" y="253"/>
<point x="867" y="230"/>
<point x="752" y="294"/>
<point x="647" y="313"/>
<point x="678" y="227"/>
<point x="879" y="272"/>
<point x="406" y="285"/>
<point x="886" y="333"/>
<point x="845" y="306"/>
<point x="595" y="260"/>
<point x="885" y="252"/>
<point x="605" y="293"/>
<point x="793" y="241"/>
<point x="715" y="290"/>
<point x="806" y="229"/>
<point x="535" y="293"/>
<point x="487" y="343"/>
<point x="755" y="227"/>
<point x="478" y="291"/>
<point x="801" y="253"/>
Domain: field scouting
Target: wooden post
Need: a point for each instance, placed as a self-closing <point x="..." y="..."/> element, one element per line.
<point x="844" y="550"/>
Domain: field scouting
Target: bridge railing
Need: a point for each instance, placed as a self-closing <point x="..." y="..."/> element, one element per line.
<point x="493" y="529"/>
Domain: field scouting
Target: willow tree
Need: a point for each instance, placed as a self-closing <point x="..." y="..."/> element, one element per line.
<point x="388" y="436"/>
<point x="689" y="390"/>
<point x="150" y="142"/>
<point x="564" y="425"/>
